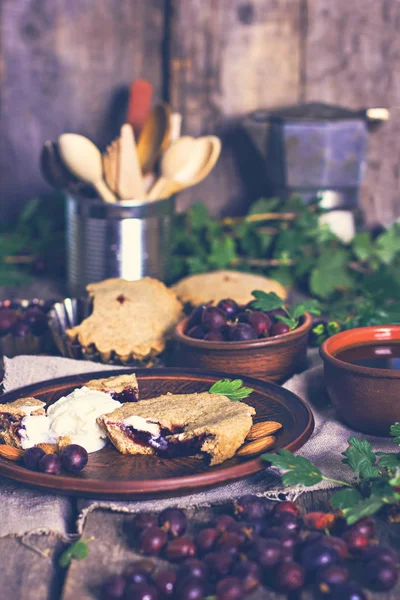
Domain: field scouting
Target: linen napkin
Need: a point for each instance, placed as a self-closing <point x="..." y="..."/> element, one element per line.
<point x="324" y="447"/>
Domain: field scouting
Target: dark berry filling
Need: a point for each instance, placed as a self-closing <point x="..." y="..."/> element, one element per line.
<point x="128" y="394"/>
<point x="11" y="423"/>
<point x="163" y="444"/>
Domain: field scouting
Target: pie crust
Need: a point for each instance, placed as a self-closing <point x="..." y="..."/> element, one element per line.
<point x="188" y="424"/>
<point x="217" y="285"/>
<point x="11" y="416"/>
<point x="131" y="319"/>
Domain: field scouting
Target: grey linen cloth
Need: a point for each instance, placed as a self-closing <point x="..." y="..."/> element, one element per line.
<point x="29" y="510"/>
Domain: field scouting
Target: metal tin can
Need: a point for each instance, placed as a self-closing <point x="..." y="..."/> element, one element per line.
<point x="126" y="239"/>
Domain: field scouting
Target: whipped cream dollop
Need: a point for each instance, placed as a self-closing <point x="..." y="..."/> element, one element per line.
<point x="75" y="416"/>
<point x="35" y="430"/>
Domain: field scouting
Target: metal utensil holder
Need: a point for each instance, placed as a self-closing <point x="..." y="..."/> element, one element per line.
<point x="127" y="239"/>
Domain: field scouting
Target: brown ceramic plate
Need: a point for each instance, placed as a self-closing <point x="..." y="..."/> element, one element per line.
<point x="109" y="474"/>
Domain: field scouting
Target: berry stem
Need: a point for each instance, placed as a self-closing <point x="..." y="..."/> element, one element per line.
<point x="337" y="481"/>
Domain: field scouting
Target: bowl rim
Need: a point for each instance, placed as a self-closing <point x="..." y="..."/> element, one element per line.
<point x="364" y="335"/>
<point x="303" y="329"/>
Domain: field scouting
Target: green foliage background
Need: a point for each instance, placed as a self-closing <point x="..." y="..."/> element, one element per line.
<point x="359" y="281"/>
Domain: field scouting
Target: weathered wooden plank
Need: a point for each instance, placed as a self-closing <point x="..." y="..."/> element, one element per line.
<point x="65" y="66"/>
<point x="228" y="58"/>
<point x="352" y="55"/>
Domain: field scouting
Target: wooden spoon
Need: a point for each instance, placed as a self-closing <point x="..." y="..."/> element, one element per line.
<point x="154" y="137"/>
<point x="215" y="151"/>
<point x="201" y="158"/>
<point x="83" y="159"/>
<point x="55" y="172"/>
<point x="177" y="156"/>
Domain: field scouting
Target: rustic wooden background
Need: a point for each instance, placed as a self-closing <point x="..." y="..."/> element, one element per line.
<point x="65" y="66"/>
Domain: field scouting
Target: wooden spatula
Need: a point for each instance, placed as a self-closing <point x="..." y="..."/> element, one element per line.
<point x="130" y="180"/>
<point x="139" y="103"/>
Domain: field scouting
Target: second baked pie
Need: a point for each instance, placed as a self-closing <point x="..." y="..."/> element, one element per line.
<point x="130" y="319"/>
<point x="176" y="425"/>
<point x="213" y="286"/>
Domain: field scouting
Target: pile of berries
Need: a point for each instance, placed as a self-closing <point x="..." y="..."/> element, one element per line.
<point x="227" y="322"/>
<point x="21" y="321"/>
<point x="258" y="544"/>
<point x="73" y="458"/>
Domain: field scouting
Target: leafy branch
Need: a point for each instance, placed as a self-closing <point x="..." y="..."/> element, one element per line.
<point x="271" y="301"/>
<point x="376" y="482"/>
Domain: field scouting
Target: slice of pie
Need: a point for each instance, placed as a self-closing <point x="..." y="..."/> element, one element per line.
<point x="123" y="388"/>
<point x="180" y="425"/>
<point x="12" y="417"/>
<point x="24" y="423"/>
<point x="130" y="320"/>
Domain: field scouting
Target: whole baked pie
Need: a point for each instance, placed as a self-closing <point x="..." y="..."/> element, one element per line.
<point x="130" y="319"/>
<point x="180" y="425"/>
<point x="214" y="286"/>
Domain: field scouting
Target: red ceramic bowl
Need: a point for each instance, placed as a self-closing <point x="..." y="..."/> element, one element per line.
<point x="271" y="359"/>
<point x="366" y="398"/>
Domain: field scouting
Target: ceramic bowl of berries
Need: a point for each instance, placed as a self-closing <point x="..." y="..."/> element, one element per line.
<point x="24" y="327"/>
<point x="265" y="339"/>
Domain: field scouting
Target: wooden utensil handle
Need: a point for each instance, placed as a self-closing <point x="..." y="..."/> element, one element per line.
<point x="105" y="193"/>
<point x="157" y="191"/>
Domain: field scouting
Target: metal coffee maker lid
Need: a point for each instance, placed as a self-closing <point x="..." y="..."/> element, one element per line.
<point x="315" y="150"/>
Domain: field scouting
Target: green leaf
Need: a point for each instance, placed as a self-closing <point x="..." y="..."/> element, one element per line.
<point x="285" y="276"/>
<point x="395" y="432"/>
<point x="196" y="265"/>
<point x="389" y="460"/>
<point x="333" y="327"/>
<point x="383" y="488"/>
<point x="265" y="301"/>
<point x="79" y="550"/>
<point x="311" y="306"/>
<point x="362" y="246"/>
<point x="388" y="244"/>
<point x="331" y="273"/>
<point x="232" y="389"/>
<point x="223" y="252"/>
<point x="300" y="469"/>
<point x="345" y="498"/>
<point x="395" y="481"/>
<point x="292" y="323"/>
<point x="264" y="205"/>
<point x="361" y="458"/>
<point x="365" y="508"/>
<point x="198" y="216"/>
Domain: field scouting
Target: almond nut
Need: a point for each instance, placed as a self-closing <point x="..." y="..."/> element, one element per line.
<point x="262" y="429"/>
<point x="11" y="453"/>
<point x="48" y="448"/>
<point x="257" y="446"/>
